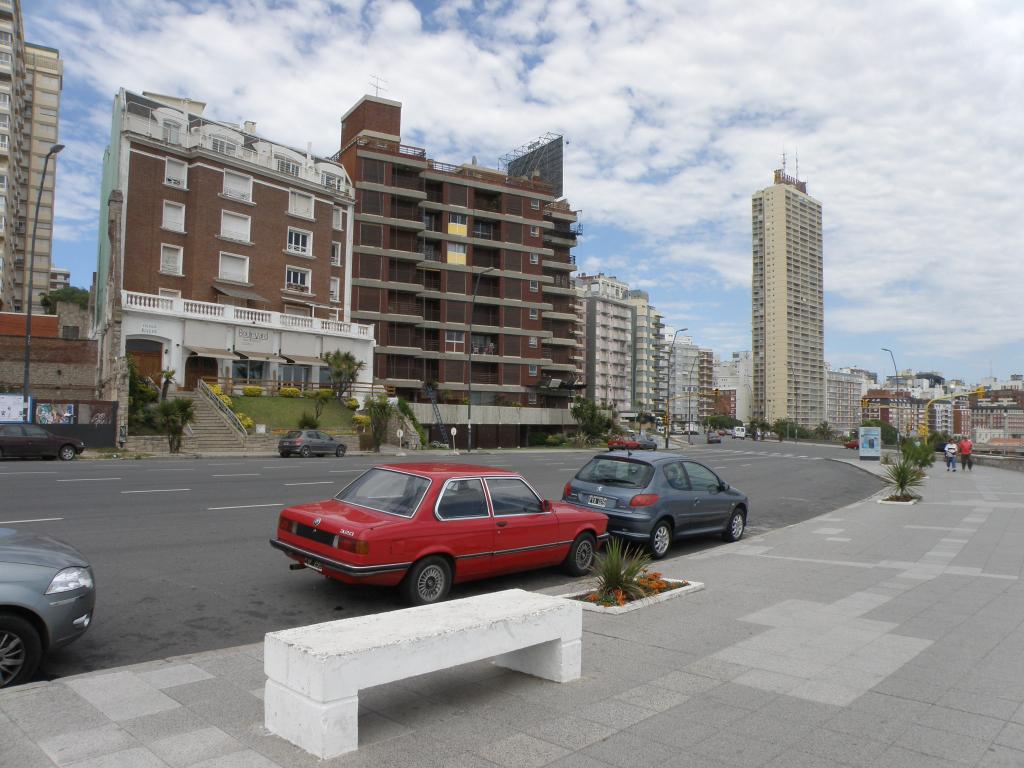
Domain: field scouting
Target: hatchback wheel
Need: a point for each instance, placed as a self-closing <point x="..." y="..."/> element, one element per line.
<point x="661" y="539"/>
<point x="428" y="581"/>
<point x="285" y="454"/>
<point x="581" y="555"/>
<point x="339" y="451"/>
<point x="737" y="525"/>
<point x="304" y="452"/>
<point x="20" y="650"/>
<point x="66" y="452"/>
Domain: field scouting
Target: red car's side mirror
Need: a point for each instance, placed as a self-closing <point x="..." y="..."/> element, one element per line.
<point x="546" y="505"/>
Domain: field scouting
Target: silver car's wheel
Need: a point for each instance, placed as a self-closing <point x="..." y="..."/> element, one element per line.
<point x="66" y="452"/>
<point x="737" y="524"/>
<point x="661" y="539"/>
<point x="304" y="452"/>
<point x="20" y="650"/>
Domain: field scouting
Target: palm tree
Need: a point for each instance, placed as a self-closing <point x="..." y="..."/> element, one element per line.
<point x="344" y="369"/>
<point x="171" y="417"/>
<point x="380" y="410"/>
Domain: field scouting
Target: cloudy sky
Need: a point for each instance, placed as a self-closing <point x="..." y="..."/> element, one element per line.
<point x="906" y="118"/>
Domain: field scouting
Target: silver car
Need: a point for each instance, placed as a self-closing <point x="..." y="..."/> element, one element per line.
<point x="47" y="596"/>
<point x="309" y="442"/>
<point x="653" y="499"/>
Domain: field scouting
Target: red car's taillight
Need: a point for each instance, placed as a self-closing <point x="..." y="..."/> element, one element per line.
<point x="358" y="546"/>
<point x="644" y="500"/>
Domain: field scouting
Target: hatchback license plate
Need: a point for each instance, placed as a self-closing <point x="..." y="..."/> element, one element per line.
<point x="316" y="565"/>
<point x="597" y="501"/>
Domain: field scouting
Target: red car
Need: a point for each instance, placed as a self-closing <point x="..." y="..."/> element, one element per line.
<point x="641" y="442"/>
<point x="851" y="443"/>
<point x="424" y="527"/>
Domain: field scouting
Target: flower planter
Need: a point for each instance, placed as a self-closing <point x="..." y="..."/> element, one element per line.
<point x="899" y="503"/>
<point x="693" y="586"/>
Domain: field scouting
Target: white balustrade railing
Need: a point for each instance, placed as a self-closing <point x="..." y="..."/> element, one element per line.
<point x="176" y="307"/>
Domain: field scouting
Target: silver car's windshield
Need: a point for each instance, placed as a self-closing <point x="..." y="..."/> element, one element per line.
<point x="385" y="490"/>
<point x="619" y="472"/>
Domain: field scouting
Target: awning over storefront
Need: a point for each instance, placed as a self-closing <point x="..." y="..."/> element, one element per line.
<point x="303" y="360"/>
<point x="221" y="354"/>
<point x="266" y="357"/>
<point x="238" y="293"/>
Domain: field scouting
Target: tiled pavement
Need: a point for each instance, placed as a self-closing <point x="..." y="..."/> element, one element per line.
<point x="872" y="636"/>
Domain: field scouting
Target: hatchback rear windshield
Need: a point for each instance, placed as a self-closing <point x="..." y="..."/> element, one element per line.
<point x="385" y="490"/>
<point x="622" y="473"/>
<point x="294" y="433"/>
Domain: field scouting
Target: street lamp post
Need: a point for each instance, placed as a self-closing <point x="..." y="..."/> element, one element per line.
<point x="668" y="387"/>
<point x="469" y="378"/>
<point x="31" y="282"/>
<point x="689" y="398"/>
<point x="897" y="398"/>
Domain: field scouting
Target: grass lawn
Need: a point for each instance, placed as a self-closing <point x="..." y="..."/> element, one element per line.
<point x="284" y="412"/>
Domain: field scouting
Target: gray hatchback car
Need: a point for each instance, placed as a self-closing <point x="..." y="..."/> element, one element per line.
<point x="309" y="442"/>
<point x="47" y="596"/>
<point x="653" y="499"/>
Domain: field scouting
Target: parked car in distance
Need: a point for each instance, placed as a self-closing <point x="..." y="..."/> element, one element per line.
<point x="309" y="442"/>
<point x="653" y="500"/>
<point x="424" y="527"/>
<point x="47" y="596"/>
<point x="641" y="442"/>
<point x="713" y="437"/>
<point x="854" y="443"/>
<point x="32" y="441"/>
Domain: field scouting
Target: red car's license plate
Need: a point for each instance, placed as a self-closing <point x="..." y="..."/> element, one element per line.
<point x="316" y="565"/>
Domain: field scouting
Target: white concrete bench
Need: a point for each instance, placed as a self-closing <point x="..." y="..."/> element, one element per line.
<point x="315" y="673"/>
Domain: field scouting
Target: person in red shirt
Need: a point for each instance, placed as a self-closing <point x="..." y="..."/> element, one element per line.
<point x="966" y="446"/>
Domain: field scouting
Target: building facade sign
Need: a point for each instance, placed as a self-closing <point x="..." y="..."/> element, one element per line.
<point x="253" y="339"/>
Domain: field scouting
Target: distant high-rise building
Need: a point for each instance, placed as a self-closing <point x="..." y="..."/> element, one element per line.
<point x="608" y="322"/>
<point x="736" y="374"/>
<point x="30" y="86"/>
<point x="843" y="412"/>
<point x="690" y="377"/>
<point x="787" y="305"/>
<point x="647" y="352"/>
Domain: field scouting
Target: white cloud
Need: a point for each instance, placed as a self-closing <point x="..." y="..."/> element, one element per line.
<point x="906" y="118"/>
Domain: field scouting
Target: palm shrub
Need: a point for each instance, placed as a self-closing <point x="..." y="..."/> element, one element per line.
<point x="308" y="421"/>
<point x="903" y="476"/>
<point x="380" y="410"/>
<point x="171" y="418"/>
<point x="920" y="453"/>
<point x="619" y="569"/>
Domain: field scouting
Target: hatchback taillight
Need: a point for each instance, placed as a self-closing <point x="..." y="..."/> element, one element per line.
<point x="644" y="500"/>
<point x="567" y="491"/>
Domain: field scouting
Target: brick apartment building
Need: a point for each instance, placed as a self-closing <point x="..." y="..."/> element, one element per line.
<point x="226" y="255"/>
<point x="427" y="236"/>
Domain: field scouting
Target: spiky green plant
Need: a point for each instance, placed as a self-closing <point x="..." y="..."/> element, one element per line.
<point x="903" y="476"/>
<point x="619" y="568"/>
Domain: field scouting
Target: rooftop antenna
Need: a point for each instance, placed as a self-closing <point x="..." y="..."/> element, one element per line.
<point x="797" y="165"/>
<point x="783" y="161"/>
<point x="378" y="84"/>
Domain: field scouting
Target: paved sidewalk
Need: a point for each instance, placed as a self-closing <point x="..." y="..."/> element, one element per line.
<point x="872" y="636"/>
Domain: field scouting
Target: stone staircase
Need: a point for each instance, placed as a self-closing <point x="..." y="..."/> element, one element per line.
<point x="211" y="432"/>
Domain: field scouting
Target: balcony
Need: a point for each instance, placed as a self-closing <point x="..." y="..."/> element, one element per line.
<point x="225" y="313"/>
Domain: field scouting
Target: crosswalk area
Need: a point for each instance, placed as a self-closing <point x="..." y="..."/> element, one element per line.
<point x="707" y="451"/>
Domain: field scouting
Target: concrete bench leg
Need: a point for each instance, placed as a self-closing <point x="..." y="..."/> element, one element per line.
<point x="324" y="729"/>
<point x="558" y="660"/>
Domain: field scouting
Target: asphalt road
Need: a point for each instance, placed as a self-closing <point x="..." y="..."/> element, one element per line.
<point x="179" y="546"/>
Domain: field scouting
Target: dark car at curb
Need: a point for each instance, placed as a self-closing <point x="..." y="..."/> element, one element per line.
<point x="654" y="499"/>
<point x="47" y="595"/>
<point x="309" y="442"/>
<point x="30" y="441"/>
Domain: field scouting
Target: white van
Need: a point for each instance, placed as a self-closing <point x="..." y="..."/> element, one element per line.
<point x="740" y="432"/>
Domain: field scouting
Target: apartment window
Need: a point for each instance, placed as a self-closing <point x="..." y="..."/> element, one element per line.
<point x="170" y="259"/>
<point x="237" y="186"/>
<point x="534" y="286"/>
<point x="5" y="122"/>
<point x="534" y="231"/>
<point x="234" y="226"/>
<point x="331" y="181"/>
<point x="174" y="216"/>
<point x="535" y="258"/>
<point x="532" y="398"/>
<point x="300" y="204"/>
<point x="168" y="293"/>
<point x="287" y="166"/>
<point x="234" y="268"/>
<point x="454" y="341"/>
<point x="223" y="145"/>
<point x="535" y="205"/>
<point x="335" y="289"/>
<point x="300" y="242"/>
<point x="534" y="314"/>
<point x="338" y="219"/>
<point x="3" y="182"/>
<point x="6" y="38"/>
<point x="175" y="173"/>
<point x="456" y="253"/>
<point x="171" y="131"/>
<point x="297" y="279"/>
<point x="533" y="342"/>
<point x="4" y="141"/>
<point x="457" y="224"/>
<point x="335" y="254"/>
<point x="532" y="370"/>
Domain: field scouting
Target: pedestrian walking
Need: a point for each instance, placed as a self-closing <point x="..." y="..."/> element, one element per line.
<point x="950" y="451"/>
<point x="965" y="446"/>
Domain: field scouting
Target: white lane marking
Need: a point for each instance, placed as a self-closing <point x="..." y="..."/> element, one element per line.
<point x="836" y="538"/>
<point x="344" y="471"/>
<point x="30" y="472"/>
<point x="85" y="479"/>
<point x="244" y="506"/>
<point x="314" y="482"/>
<point x="568" y="469"/>
<point x="240" y="474"/>
<point x="278" y="466"/>
<point x="828" y="531"/>
<point x="744" y="465"/>
<point x="36" y="520"/>
<point x="175" y="469"/>
<point x="223" y="463"/>
<point x="160" y="490"/>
